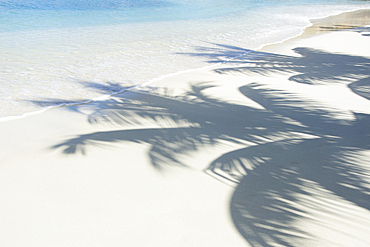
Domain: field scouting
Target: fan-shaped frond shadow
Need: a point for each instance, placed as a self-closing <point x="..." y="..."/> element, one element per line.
<point x="272" y="178"/>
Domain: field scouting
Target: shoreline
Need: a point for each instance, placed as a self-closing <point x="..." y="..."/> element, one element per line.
<point x="358" y="18"/>
<point x="270" y="148"/>
<point x="343" y="21"/>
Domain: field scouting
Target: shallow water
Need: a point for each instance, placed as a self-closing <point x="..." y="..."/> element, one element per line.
<point x="61" y="52"/>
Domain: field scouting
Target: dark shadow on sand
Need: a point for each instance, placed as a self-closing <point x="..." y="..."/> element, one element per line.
<point x="297" y="147"/>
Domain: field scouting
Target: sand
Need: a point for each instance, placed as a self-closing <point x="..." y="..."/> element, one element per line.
<point x="269" y="149"/>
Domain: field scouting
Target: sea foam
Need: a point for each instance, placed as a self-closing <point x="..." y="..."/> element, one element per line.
<point x="56" y="53"/>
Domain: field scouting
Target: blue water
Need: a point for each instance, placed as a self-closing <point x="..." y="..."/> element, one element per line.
<point x="59" y="49"/>
<point x="34" y="14"/>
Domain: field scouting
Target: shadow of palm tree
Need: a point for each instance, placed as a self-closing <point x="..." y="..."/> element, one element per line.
<point x="293" y="148"/>
<point x="311" y="66"/>
<point x="272" y="177"/>
<point x="183" y="124"/>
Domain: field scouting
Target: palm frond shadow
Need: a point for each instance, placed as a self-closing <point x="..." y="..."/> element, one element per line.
<point x="292" y="148"/>
<point x="272" y="177"/>
<point x="182" y="124"/>
<point x="311" y="66"/>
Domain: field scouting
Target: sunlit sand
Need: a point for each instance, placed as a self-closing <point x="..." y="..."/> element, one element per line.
<point x="269" y="149"/>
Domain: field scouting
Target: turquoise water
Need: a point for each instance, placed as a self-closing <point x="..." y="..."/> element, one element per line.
<point x="31" y="15"/>
<point x="41" y="14"/>
<point x="63" y="49"/>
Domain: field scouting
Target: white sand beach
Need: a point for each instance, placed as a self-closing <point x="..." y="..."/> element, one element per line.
<point x="269" y="149"/>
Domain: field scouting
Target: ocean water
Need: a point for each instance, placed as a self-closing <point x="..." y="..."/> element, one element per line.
<point x="61" y="52"/>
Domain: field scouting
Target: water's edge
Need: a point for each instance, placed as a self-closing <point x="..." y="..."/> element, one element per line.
<point x="108" y="96"/>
